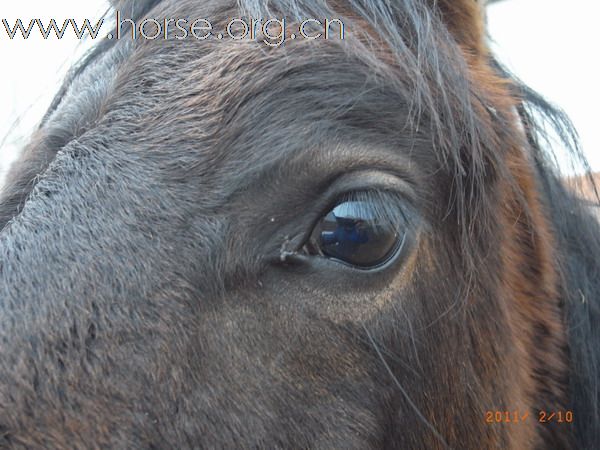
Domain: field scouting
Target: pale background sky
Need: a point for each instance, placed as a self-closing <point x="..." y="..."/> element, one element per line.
<point x="552" y="45"/>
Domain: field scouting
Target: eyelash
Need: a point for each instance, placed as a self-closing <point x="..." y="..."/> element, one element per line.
<point x="389" y="207"/>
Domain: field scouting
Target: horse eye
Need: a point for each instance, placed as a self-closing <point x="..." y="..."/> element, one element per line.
<point x="353" y="234"/>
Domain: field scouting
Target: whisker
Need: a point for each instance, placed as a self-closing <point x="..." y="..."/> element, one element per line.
<point x="415" y="408"/>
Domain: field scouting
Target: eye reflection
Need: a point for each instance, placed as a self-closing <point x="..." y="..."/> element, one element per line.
<point x="352" y="232"/>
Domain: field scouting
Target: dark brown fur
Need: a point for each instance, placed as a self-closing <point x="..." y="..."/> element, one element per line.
<point x="144" y="302"/>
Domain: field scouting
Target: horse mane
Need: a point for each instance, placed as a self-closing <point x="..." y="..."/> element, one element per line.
<point x="577" y="233"/>
<point x="455" y="109"/>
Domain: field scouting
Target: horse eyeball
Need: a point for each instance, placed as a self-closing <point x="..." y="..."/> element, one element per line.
<point x="352" y="233"/>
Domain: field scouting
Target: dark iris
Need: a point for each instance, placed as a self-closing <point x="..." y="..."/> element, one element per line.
<point x="351" y="232"/>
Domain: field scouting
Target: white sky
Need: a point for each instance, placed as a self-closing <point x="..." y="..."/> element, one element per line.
<point x="549" y="44"/>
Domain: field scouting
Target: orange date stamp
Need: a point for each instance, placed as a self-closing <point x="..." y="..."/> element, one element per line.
<point x="516" y="416"/>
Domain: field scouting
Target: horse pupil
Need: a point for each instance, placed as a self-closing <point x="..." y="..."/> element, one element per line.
<point x="352" y="233"/>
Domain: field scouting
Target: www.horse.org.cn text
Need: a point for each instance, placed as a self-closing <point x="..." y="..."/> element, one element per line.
<point x="272" y="32"/>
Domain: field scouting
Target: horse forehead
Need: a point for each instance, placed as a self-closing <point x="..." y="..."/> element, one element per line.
<point x="224" y="101"/>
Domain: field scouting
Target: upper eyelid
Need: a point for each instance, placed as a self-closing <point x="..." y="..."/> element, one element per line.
<point x="316" y="173"/>
<point x="373" y="180"/>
